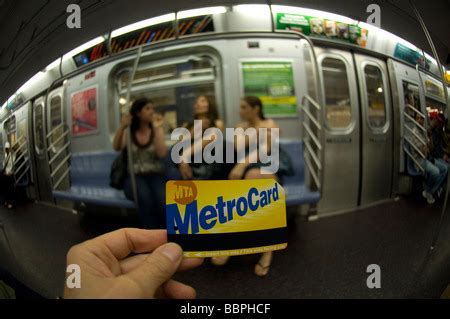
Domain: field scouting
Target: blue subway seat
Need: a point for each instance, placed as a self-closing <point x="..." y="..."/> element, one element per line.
<point x="90" y="181"/>
<point x="297" y="193"/>
<point x="410" y="165"/>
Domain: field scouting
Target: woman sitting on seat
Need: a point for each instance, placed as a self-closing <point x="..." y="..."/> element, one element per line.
<point x="251" y="112"/>
<point x="206" y="112"/>
<point x="148" y="148"/>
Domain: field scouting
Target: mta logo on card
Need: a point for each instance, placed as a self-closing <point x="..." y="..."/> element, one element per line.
<point x="226" y="218"/>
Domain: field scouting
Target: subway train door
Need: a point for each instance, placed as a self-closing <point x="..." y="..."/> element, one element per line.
<point x="58" y="141"/>
<point x="42" y="170"/>
<point x="342" y="135"/>
<point x="377" y="136"/>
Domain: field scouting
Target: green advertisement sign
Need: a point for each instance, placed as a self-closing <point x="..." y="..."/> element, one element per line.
<point x="319" y="27"/>
<point x="273" y="83"/>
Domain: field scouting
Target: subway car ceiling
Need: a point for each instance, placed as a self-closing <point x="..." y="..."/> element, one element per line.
<point x="39" y="34"/>
<point x="160" y="31"/>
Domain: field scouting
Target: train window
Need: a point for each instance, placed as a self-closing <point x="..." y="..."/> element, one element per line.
<point x="10" y="128"/>
<point x="376" y="98"/>
<point x="39" y="127"/>
<point x="55" y="122"/>
<point x="172" y="85"/>
<point x="337" y="93"/>
<point x="411" y="98"/>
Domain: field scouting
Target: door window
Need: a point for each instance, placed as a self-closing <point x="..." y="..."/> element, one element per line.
<point x="376" y="98"/>
<point x="337" y="94"/>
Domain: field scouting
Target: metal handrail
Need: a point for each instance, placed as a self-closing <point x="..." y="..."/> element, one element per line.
<point x="53" y="159"/>
<point x="415" y="110"/>
<point x="53" y="145"/>
<point x="416" y="135"/>
<point x="54" y="130"/>
<point x="311" y="117"/>
<point x="415" y="147"/>
<point x="312" y="172"/>
<point x="313" y="102"/>
<point x="60" y="165"/>
<point x="22" y="175"/>
<point x="313" y="155"/>
<point x="19" y="158"/>
<point x="415" y="161"/>
<point x="24" y="163"/>
<point x="60" y="180"/>
<point x="415" y="122"/>
<point x="311" y="134"/>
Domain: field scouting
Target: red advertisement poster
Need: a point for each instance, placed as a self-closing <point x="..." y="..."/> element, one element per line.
<point x="84" y="112"/>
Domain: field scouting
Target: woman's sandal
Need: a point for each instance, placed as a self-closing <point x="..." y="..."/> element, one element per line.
<point x="264" y="269"/>
<point x="219" y="261"/>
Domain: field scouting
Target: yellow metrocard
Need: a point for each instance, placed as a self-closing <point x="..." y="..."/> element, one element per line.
<point x="226" y="218"/>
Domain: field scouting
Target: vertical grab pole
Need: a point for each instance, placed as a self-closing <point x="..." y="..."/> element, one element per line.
<point x="129" y="152"/>
<point x="441" y="71"/>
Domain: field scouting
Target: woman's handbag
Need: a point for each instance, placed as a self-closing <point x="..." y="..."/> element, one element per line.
<point x="119" y="171"/>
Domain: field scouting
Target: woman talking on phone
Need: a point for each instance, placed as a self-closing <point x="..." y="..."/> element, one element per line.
<point x="148" y="148"/>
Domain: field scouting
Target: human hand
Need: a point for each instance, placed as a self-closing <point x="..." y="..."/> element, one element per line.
<point x="185" y="170"/>
<point x="108" y="271"/>
<point x="126" y="120"/>
<point x="237" y="172"/>
<point x="158" y="120"/>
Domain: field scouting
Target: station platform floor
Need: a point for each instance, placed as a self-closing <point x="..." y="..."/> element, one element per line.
<point x="325" y="258"/>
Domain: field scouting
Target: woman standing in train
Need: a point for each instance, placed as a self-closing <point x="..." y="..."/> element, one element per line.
<point x="148" y="148"/>
<point x="251" y="112"/>
<point x="205" y="111"/>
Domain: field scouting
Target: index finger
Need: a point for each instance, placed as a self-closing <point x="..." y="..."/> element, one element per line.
<point x="121" y="243"/>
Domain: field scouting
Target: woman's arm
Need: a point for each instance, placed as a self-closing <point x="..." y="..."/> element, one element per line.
<point x="159" y="138"/>
<point x="120" y="141"/>
<point x="202" y="143"/>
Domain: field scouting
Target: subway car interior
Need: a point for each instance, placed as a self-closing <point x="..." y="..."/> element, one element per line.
<point x="356" y="103"/>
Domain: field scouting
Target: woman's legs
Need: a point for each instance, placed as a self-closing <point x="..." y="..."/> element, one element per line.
<point x="157" y="184"/>
<point x="263" y="266"/>
<point x="148" y="216"/>
<point x="436" y="174"/>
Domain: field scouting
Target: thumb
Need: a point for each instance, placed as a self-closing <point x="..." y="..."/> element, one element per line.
<point x="157" y="268"/>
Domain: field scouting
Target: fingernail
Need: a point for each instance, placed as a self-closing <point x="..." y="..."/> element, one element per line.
<point x="172" y="251"/>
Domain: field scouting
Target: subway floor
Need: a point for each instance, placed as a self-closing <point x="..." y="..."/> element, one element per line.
<point x="326" y="258"/>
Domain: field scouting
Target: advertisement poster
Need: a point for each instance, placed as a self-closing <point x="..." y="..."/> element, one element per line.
<point x="319" y="27"/>
<point x="273" y="83"/>
<point x="411" y="56"/>
<point x="84" y="112"/>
